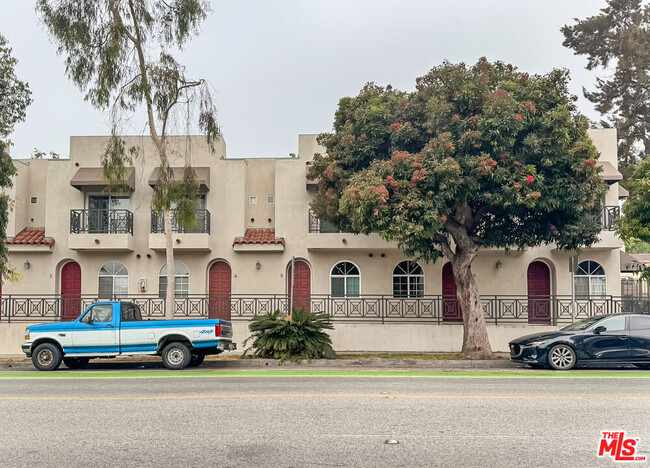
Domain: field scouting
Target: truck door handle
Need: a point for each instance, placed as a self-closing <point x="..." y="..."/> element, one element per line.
<point x="623" y="337"/>
<point x="110" y="326"/>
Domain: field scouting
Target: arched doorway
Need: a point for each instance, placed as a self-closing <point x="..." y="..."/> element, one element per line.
<point x="451" y="311"/>
<point x="219" y="284"/>
<point x="302" y="289"/>
<point x="70" y="291"/>
<point x="539" y="293"/>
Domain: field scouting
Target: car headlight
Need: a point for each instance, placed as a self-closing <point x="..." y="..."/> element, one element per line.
<point x="26" y="334"/>
<point x="538" y="343"/>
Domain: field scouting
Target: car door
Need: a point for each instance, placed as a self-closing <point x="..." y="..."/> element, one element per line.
<point x="640" y="337"/>
<point x="611" y="344"/>
<point x="96" y="332"/>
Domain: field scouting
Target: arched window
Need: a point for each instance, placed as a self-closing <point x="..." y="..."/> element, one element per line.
<point x="113" y="280"/>
<point x="590" y="280"/>
<point x="345" y="280"/>
<point x="181" y="280"/>
<point x="408" y="280"/>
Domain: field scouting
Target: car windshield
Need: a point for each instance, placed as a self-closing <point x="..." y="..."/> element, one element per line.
<point x="582" y="324"/>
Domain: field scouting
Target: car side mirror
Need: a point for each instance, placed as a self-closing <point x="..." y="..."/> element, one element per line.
<point x="598" y="330"/>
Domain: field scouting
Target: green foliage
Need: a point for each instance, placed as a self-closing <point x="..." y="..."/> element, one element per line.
<point x="635" y="224"/>
<point x="275" y="336"/>
<point x="619" y="38"/>
<point x="120" y="53"/>
<point x="15" y="96"/>
<point x="484" y="155"/>
<point x="635" y="246"/>
<point x="38" y="154"/>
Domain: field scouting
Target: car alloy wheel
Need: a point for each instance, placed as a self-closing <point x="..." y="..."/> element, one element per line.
<point x="562" y="357"/>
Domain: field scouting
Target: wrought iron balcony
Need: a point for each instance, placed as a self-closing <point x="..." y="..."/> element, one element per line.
<point x="101" y="222"/>
<point x="608" y="217"/>
<point x="318" y="226"/>
<point x="201" y="226"/>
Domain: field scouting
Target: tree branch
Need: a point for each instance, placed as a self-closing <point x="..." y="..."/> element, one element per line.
<point x="444" y="243"/>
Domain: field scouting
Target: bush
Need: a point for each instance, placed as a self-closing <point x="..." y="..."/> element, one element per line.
<point x="275" y="336"/>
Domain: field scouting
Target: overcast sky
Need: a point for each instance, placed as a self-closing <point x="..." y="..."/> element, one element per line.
<point x="279" y="67"/>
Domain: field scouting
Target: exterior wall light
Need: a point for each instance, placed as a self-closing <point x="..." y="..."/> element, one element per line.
<point x="258" y="265"/>
<point x="499" y="265"/>
<point x="27" y="265"/>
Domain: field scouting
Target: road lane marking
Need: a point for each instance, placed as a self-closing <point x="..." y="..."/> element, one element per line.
<point x="396" y="396"/>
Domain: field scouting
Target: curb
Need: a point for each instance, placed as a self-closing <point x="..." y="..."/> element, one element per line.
<point x="349" y="364"/>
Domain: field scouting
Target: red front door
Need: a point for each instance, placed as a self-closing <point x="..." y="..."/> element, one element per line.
<point x="71" y="291"/>
<point x="451" y="311"/>
<point x="539" y="293"/>
<point x="219" y="291"/>
<point x="302" y="290"/>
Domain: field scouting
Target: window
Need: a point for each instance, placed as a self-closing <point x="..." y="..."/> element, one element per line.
<point x="612" y="324"/>
<point x="252" y="200"/>
<point x="408" y="280"/>
<point x="345" y="280"/>
<point x="270" y="200"/>
<point x="131" y="313"/>
<point x="33" y="200"/>
<point x="106" y="213"/>
<point x="590" y="281"/>
<point x="638" y="322"/>
<point x="113" y="281"/>
<point x="100" y="313"/>
<point x="181" y="280"/>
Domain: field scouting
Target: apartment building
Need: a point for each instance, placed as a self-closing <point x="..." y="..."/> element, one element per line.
<point x="73" y="241"/>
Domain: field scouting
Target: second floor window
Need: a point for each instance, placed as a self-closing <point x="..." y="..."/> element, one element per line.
<point x="105" y="213"/>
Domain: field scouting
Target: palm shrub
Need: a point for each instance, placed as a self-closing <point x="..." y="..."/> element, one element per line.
<point x="276" y="336"/>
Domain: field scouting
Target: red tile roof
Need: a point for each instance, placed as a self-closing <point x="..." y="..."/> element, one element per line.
<point x="31" y="236"/>
<point x="259" y="236"/>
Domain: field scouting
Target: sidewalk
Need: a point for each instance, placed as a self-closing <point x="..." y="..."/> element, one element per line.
<point x="20" y="362"/>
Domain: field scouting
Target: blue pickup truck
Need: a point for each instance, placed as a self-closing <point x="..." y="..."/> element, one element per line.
<point x="110" y="329"/>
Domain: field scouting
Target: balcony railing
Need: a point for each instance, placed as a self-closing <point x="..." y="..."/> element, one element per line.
<point x="318" y="226"/>
<point x="101" y="222"/>
<point x="608" y="217"/>
<point x="201" y="226"/>
<point x="544" y="310"/>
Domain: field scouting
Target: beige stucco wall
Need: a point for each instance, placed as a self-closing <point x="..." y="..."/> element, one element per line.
<point x="354" y="337"/>
<point x="232" y="182"/>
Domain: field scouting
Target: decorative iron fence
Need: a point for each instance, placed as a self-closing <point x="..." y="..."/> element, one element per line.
<point x="608" y="217"/>
<point x="101" y="222"/>
<point x="548" y="310"/>
<point x="316" y="225"/>
<point x="201" y="225"/>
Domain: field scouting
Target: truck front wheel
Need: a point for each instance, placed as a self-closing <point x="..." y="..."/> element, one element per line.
<point x="47" y="357"/>
<point x="176" y="356"/>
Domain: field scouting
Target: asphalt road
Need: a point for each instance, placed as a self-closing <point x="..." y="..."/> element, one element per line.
<point x="318" y="421"/>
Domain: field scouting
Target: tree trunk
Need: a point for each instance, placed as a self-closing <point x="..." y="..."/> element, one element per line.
<point x="476" y="344"/>
<point x="171" y="274"/>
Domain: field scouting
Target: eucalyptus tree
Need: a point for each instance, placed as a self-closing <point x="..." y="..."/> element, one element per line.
<point x="120" y="53"/>
<point x="15" y="96"/>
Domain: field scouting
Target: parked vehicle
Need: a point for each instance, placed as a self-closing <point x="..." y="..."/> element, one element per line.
<point x="110" y="329"/>
<point x="611" y="339"/>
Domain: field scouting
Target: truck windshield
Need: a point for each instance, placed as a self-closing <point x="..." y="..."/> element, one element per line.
<point x="131" y="312"/>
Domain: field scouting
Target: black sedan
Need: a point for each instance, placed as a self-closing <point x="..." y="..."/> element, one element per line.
<point x="603" y="339"/>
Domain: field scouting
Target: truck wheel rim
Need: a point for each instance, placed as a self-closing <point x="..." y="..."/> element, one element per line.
<point x="45" y="357"/>
<point x="562" y="357"/>
<point x="175" y="356"/>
